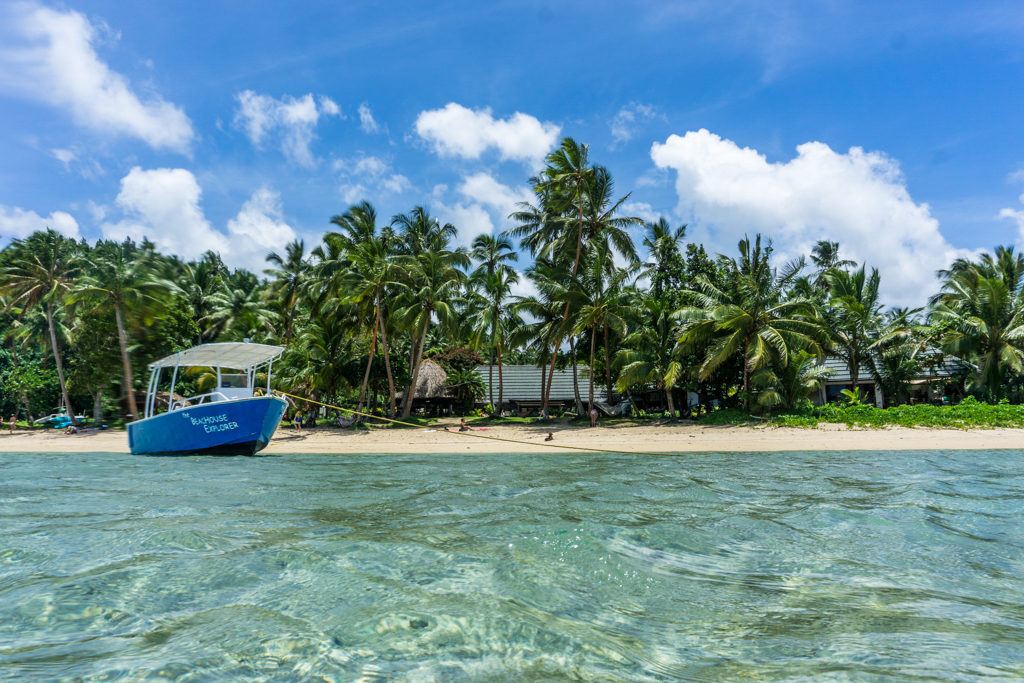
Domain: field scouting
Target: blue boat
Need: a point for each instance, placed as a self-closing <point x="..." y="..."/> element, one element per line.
<point x="235" y="418"/>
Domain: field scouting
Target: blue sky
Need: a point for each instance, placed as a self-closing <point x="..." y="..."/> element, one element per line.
<point x="893" y="129"/>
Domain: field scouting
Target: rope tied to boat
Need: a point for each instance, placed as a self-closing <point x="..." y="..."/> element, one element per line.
<point x="470" y="433"/>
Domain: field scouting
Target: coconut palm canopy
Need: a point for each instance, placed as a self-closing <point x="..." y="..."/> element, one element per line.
<point x="383" y="311"/>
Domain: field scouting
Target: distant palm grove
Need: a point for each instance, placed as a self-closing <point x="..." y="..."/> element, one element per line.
<point x="361" y="311"/>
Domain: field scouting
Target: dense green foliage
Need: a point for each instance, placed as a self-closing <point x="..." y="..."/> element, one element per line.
<point x="361" y="310"/>
<point x="968" y="414"/>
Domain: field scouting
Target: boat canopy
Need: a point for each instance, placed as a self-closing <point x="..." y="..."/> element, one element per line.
<point x="237" y="355"/>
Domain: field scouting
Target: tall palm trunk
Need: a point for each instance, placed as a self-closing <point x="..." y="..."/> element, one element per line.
<point x="126" y="364"/>
<point x="575" y="377"/>
<point x="501" y="381"/>
<point x="607" y="367"/>
<point x="387" y="361"/>
<point x="55" y="347"/>
<point x="543" y="372"/>
<point x="366" y="375"/>
<point x="490" y="382"/>
<point x="565" y="314"/>
<point x="411" y="391"/>
<point x="746" y="375"/>
<point x="494" y="349"/>
<point x="593" y="343"/>
<point x="97" y="407"/>
<point x="671" y="404"/>
<point x="551" y="375"/>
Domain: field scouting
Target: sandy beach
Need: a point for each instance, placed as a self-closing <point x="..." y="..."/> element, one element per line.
<point x="668" y="438"/>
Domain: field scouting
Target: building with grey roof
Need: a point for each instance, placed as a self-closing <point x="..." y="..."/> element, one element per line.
<point x="522" y="383"/>
<point x="925" y="387"/>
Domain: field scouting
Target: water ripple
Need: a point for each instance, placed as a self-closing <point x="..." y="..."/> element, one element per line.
<point x="796" y="566"/>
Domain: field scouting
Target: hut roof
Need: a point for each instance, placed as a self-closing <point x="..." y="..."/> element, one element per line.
<point x="430" y="383"/>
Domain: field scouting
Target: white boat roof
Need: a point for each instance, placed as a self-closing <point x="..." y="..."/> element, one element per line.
<point x="238" y="355"/>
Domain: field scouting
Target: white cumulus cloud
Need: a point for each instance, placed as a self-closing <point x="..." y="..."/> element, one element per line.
<point x="470" y="220"/>
<point x="258" y="229"/>
<point x="483" y="208"/>
<point x="857" y="198"/>
<point x="290" y="121"/>
<point x="50" y="56"/>
<point x="163" y="205"/>
<point x="457" y="131"/>
<point x="483" y="188"/>
<point x="369" y="176"/>
<point x="16" y="223"/>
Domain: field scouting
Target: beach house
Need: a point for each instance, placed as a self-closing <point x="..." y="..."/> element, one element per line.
<point x="931" y="385"/>
<point x="522" y="386"/>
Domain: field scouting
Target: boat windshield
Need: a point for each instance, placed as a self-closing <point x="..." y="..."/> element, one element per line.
<point x="234" y="381"/>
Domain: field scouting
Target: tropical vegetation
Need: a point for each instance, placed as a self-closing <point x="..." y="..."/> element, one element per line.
<point x="574" y="281"/>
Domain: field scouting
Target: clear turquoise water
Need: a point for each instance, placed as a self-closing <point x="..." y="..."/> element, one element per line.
<point x="845" y="566"/>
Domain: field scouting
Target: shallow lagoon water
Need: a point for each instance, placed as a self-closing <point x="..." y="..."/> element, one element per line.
<point x="784" y="566"/>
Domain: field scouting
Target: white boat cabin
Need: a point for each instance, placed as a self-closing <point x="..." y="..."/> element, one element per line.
<point x="234" y="364"/>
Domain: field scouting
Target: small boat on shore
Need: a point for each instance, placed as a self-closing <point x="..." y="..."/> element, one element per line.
<point x="232" y="419"/>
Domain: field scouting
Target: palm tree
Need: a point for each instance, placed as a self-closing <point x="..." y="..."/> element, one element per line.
<point x="605" y="231"/>
<point x="544" y="318"/>
<point x="310" y="364"/>
<point x="121" y="276"/>
<point x="371" y="276"/>
<point x="238" y="309"/>
<point x="854" y="318"/>
<point x="825" y="257"/>
<point x="981" y="312"/>
<point x="665" y="266"/>
<point x="435" y="277"/>
<point x="649" y="355"/>
<point x="496" y="277"/>
<point x="421" y="232"/>
<point x="197" y="282"/>
<point x="602" y="304"/>
<point x="288" y="276"/>
<point x="575" y="211"/>
<point x="357" y="226"/>
<point x="905" y="346"/>
<point x="798" y="379"/>
<point x="40" y="272"/>
<point x="748" y="316"/>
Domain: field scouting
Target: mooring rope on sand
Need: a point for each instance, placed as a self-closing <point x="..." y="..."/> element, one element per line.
<point x="470" y="432"/>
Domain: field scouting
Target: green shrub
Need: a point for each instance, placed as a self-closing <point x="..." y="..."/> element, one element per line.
<point x="968" y="414"/>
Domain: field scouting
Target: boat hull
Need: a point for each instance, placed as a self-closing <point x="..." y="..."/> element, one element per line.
<point x="242" y="427"/>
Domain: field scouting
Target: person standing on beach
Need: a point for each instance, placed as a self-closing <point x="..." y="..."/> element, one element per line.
<point x="593" y="416"/>
<point x="12" y="423"/>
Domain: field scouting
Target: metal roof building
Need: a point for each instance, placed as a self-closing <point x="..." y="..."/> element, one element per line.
<point x="926" y="386"/>
<point x="840" y="371"/>
<point x="521" y="383"/>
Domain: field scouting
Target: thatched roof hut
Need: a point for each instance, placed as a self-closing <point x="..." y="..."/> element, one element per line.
<point x="430" y="383"/>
